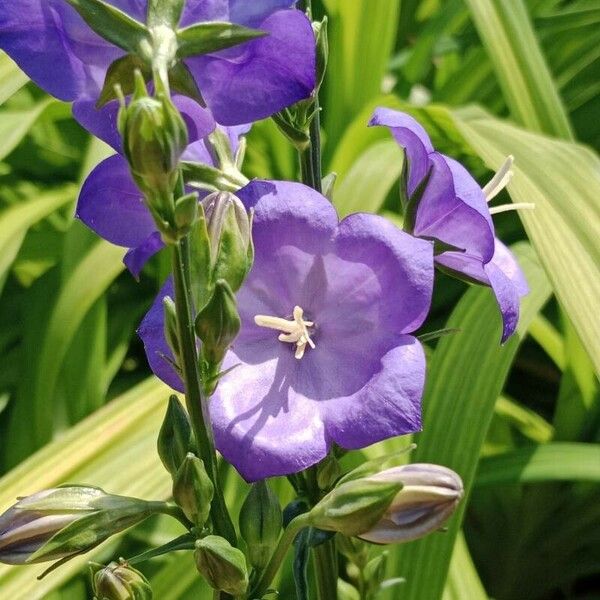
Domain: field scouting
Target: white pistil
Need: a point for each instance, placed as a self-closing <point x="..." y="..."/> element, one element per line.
<point x="500" y="180"/>
<point x="516" y="206"/>
<point x="293" y="332"/>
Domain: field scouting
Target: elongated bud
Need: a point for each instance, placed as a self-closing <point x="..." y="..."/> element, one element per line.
<point x="222" y="565"/>
<point x="217" y="325"/>
<point x="229" y="230"/>
<point x="354" y="507"/>
<point x="429" y="496"/>
<point x="119" y="581"/>
<point x="260" y="523"/>
<point x="175" y="437"/>
<point x="62" y="522"/>
<point x="322" y="40"/>
<point x="193" y="490"/>
<point x="170" y="325"/>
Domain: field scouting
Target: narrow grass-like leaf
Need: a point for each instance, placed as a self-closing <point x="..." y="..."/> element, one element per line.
<point x="12" y="79"/>
<point x="557" y="461"/>
<point x="562" y="179"/>
<point x="463" y="581"/>
<point x="526" y="82"/>
<point x="466" y="375"/>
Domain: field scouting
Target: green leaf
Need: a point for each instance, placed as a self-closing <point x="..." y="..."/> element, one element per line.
<point x="562" y="179"/>
<point x="463" y="581"/>
<point x="15" y="124"/>
<point x="506" y="32"/>
<point x="111" y="23"/>
<point x="96" y="271"/>
<point x="16" y="220"/>
<point x="12" y="79"/>
<point x="558" y="461"/>
<point x="204" y="38"/>
<point x="466" y="375"/>
<point x="370" y="179"/>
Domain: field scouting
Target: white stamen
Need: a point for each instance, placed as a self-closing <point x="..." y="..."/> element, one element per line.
<point x="500" y="180"/>
<point x="516" y="206"/>
<point x="293" y="332"/>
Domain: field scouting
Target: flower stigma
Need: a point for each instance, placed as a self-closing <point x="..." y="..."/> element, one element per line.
<point x="293" y="331"/>
<point x="498" y="182"/>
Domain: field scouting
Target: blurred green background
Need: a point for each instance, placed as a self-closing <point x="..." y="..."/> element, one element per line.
<point x="520" y="423"/>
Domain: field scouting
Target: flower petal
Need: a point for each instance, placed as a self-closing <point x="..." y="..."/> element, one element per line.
<point x="55" y="47"/>
<point x="388" y="405"/>
<point x="411" y="136"/>
<point x="241" y="12"/>
<point x="262" y="426"/>
<point x="111" y="205"/>
<point x="137" y="257"/>
<point x="258" y="78"/>
<point x="151" y="331"/>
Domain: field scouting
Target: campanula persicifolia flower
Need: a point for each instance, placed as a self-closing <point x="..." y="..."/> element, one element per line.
<point x="445" y="204"/>
<point x="325" y="352"/>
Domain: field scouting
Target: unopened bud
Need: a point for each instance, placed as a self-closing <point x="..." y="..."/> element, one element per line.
<point x="193" y="490"/>
<point x="186" y="212"/>
<point x="229" y="230"/>
<point x="119" y="581"/>
<point x="429" y="496"/>
<point x="62" y="522"/>
<point x="260" y="523"/>
<point x="175" y="436"/>
<point x="222" y="565"/>
<point x="217" y="325"/>
<point x="354" y="507"/>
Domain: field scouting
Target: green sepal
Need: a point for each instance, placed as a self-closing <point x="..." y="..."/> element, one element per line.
<point x="354" y="507"/>
<point x="204" y="38"/>
<point x="378" y="464"/>
<point x="322" y="40"/>
<point x="199" y="243"/>
<point x="112" y="24"/>
<point x="183" y="82"/>
<point x="412" y="205"/>
<point x="175" y="438"/>
<point x="205" y="177"/>
<point x="296" y="133"/>
<point x="260" y="523"/>
<point x="193" y="490"/>
<point x="186" y="212"/>
<point x="122" y="73"/>
<point x="171" y="328"/>
<point x="164" y="12"/>
<point x="222" y="565"/>
<point x="328" y="471"/>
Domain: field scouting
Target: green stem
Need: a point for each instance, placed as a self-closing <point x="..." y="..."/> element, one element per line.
<point x="197" y="404"/>
<point x="326" y="570"/>
<point x="285" y="541"/>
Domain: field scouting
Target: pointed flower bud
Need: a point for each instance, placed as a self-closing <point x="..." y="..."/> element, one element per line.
<point x="222" y="565"/>
<point x="354" y="507"/>
<point x="429" y="496"/>
<point x="260" y="523"/>
<point x="229" y="231"/>
<point x="217" y="325"/>
<point x="193" y="490"/>
<point x="119" y="581"/>
<point x="175" y="436"/>
<point x="62" y="522"/>
<point x="322" y="40"/>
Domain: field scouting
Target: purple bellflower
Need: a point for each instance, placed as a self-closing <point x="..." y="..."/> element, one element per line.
<point x="58" y="50"/>
<point x="112" y="205"/>
<point x="452" y="210"/>
<point x="325" y="352"/>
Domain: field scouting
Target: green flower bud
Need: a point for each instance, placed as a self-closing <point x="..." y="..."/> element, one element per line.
<point x="222" y="565"/>
<point x="119" y="581"/>
<point x="354" y="507"/>
<point x="260" y="523"/>
<point x="193" y="490"/>
<point x="175" y="437"/>
<point x="62" y="522"/>
<point x="229" y="230"/>
<point x="217" y="325"/>
<point x="429" y="496"/>
<point x="186" y="212"/>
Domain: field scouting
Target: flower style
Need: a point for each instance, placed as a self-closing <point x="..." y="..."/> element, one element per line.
<point x="112" y="205"/>
<point x="51" y="42"/>
<point x="325" y="352"/>
<point x="445" y="204"/>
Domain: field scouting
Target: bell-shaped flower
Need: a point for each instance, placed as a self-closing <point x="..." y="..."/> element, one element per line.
<point x="59" y="51"/>
<point x="326" y="352"/>
<point x="112" y="205"/>
<point x="443" y="203"/>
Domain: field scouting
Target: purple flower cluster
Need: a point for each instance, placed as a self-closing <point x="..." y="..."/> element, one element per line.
<point x="327" y="352"/>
